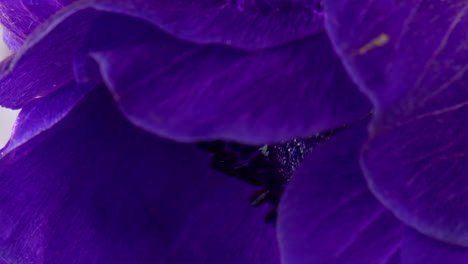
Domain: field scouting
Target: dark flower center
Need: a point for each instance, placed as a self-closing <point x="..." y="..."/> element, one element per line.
<point x="269" y="167"/>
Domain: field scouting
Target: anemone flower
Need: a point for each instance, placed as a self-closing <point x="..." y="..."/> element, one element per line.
<point x="147" y="125"/>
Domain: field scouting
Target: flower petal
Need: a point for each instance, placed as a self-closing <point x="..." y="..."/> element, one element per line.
<point x="21" y="17"/>
<point x="243" y="24"/>
<point x="328" y="215"/>
<point x="172" y="87"/>
<point x="419" y="249"/>
<point x="95" y="189"/>
<point x="40" y="115"/>
<point x="402" y="53"/>
<point x="226" y="22"/>
<point x="44" y="63"/>
<point x="411" y="59"/>
<point x="418" y="170"/>
<point x="190" y="92"/>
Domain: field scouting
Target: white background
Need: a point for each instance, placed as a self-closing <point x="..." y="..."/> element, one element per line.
<point x="7" y="116"/>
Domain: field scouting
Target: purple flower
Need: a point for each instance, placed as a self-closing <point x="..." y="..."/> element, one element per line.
<point x="102" y="166"/>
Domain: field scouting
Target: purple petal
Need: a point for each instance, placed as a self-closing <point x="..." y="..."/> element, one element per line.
<point x="411" y="59"/>
<point x="21" y="17"/>
<point x="208" y="21"/>
<point x="43" y="64"/>
<point x="419" y="249"/>
<point x="409" y="51"/>
<point x="328" y="215"/>
<point x="190" y="92"/>
<point x="95" y="189"/>
<point x="50" y="47"/>
<point x="40" y="115"/>
<point x="418" y="169"/>
<point x="242" y="24"/>
<point x="173" y="87"/>
<point x="11" y="41"/>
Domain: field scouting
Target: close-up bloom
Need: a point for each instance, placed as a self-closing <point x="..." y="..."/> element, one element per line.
<point x="235" y="131"/>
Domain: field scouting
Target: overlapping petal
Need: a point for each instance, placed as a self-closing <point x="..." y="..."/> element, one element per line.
<point x="190" y="91"/>
<point x="248" y="25"/>
<point x="44" y="63"/>
<point x="50" y="47"/>
<point x="225" y="22"/>
<point x="40" y="115"/>
<point x="328" y="215"/>
<point x="411" y="59"/>
<point x="95" y="189"/>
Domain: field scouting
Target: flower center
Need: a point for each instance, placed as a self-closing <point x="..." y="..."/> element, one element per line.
<point x="269" y="167"/>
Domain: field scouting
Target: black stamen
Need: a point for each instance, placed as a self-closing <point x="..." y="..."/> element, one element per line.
<point x="244" y="151"/>
<point x="213" y="146"/>
<point x="269" y="167"/>
<point x="225" y="162"/>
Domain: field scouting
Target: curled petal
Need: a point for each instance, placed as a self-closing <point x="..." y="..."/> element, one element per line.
<point x="44" y="63"/>
<point x="243" y="24"/>
<point x="328" y="215"/>
<point x="191" y="92"/>
<point x="411" y="59"/>
<point x="51" y="46"/>
<point x="95" y="189"/>
<point x="226" y="22"/>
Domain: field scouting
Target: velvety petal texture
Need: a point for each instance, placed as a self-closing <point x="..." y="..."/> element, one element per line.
<point x="246" y="24"/>
<point x="95" y="189"/>
<point x="192" y="92"/>
<point x="419" y="249"/>
<point x="188" y="91"/>
<point x="44" y="62"/>
<point x="250" y="25"/>
<point x="402" y="52"/>
<point x="207" y="21"/>
<point x="21" y="17"/>
<point x="411" y="59"/>
<point x="328" y="215"/>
